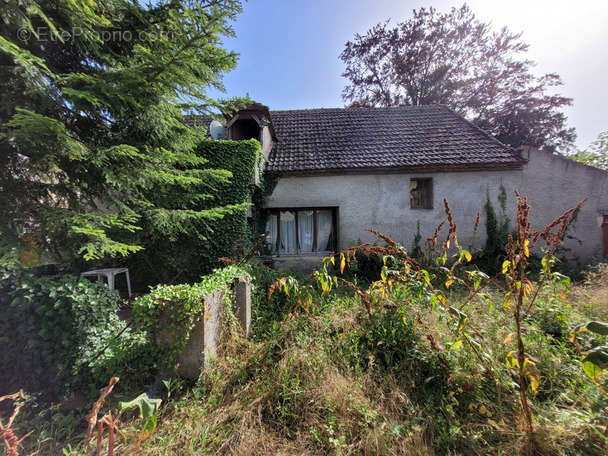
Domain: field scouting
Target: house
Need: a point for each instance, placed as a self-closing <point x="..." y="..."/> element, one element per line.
<point x="343" y="170"/>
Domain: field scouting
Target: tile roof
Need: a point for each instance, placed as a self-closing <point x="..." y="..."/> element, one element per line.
<point x="401" y="138"/>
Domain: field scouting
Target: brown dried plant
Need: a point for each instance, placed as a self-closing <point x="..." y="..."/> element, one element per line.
<point x="521" y="290"/>
<point x="92" y="417"/>
<point x="10" y="440"/>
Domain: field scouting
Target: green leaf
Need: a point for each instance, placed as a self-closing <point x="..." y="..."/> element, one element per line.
<point x="596" y="327"/>
<point x="462" y="317"/>
<point x="147" y="431"/>
<point x="147" y="407"/>
<point x="597" y="356"/>
<point x="592" y="370"/>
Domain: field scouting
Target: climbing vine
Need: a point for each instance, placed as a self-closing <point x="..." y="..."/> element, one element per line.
<point x="189" y="256"/>
<point x="497" y="234"/>
<point x="173" y="310"/>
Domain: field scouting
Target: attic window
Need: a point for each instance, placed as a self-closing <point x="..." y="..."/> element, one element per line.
<point x="245" y="128"/>
<point x="421" y="193"/>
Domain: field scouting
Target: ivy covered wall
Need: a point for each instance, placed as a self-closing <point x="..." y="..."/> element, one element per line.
<point x="187" y="257"/>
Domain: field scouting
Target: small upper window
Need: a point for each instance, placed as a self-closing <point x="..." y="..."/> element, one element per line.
<point x="421" y="193"/>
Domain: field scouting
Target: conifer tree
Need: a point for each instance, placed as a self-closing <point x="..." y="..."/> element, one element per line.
<point x="94" y="150"/>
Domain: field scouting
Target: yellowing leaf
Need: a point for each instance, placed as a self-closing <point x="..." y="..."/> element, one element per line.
<point x="526" y="249"/>
<point x="506" y="303"/>
<point x="511" y="360"/>
<point x="505" y="266"/>
<point x="533" y="375"/>
<point x="527" y="288"/>
<point x="449" y="282"/>
<point x="592" y="370"/>
<point x="484" y="411"/>
<point x="442" y="300"/>
<point x="383" y="272"/>
<point x="508" y="339"/>
<point x="147" y="431"/>
<point x="342" y="264"/>
<point x="467" y="255"/>
<point x="456" y="345"/>
<point x="493" y="424"/>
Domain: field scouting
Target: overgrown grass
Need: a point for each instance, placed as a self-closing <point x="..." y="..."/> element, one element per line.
<point x="329" y="380"/>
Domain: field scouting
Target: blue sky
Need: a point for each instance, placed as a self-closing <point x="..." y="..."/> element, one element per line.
<point x="290" y="50"/>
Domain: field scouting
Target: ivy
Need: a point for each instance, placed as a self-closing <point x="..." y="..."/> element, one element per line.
<point x="63" y="333"/>
<point x="183" y="305"/>
<point x="54" y="331"/>
<point x="497" y="233"/>
<point x="188" y="256"/>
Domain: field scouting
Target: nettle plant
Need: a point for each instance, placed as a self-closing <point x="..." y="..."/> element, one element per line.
<point x="410" y="291"/>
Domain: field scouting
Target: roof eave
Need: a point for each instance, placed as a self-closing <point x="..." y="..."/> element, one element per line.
<point x="400" y="169"/>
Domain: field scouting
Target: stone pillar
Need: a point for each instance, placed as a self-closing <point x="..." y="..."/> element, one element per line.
<point x="203" y="340"/>
<point x="206" y="335"/>
<point x="241" y="304"/>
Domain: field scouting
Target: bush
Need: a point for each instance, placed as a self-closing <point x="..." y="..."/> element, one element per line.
<point x="54" y="330"/>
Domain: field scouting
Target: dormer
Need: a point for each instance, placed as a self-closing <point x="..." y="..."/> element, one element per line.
<point x="252" y="122"/>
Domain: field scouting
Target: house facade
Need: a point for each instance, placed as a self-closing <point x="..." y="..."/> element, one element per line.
<point x="341" y="171"/>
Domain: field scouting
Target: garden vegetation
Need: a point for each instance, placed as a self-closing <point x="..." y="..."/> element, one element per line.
<point x="429" y="357"/>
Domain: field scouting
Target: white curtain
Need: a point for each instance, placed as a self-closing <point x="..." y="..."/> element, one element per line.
<point x="306" y="230"/>
<point x="271" y="240"/>
<point x="324" y="231"/>
<point x="288" y="232"/>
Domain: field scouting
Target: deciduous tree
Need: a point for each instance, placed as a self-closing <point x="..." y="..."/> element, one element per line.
<point x="457" y="60"/>
<point x="597" y="155"/>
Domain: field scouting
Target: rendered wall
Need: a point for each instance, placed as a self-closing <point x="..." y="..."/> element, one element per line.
<point x="552" y="184"/>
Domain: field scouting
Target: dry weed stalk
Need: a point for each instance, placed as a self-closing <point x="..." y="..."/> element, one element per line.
<point x="521" y="288"/>
<point x="92" y="417"/>
<point x="7" y="433"/>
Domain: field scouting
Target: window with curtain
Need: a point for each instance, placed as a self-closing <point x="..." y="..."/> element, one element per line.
<point x="301" y="231"/>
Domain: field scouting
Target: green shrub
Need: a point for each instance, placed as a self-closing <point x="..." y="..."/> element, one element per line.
<point x="54" y="330"/>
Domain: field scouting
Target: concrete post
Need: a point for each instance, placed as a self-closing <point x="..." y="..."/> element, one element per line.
<point x="241" y="304"/>
<point x="206" y="335"/>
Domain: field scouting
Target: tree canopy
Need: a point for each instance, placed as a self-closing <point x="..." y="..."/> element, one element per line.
<point x="456" y="60"/>
<point x="95" y="155"/>
<point x="596" y="155"/>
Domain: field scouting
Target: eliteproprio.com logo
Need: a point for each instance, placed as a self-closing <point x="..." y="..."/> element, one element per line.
<point x="48" y="34"/>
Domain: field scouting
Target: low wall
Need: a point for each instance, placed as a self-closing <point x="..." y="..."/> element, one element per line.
<point x="206" y="336"/>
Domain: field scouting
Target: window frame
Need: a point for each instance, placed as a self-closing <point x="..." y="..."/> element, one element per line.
<point x="426" y="199"/>
<point x="334" y="221"/>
